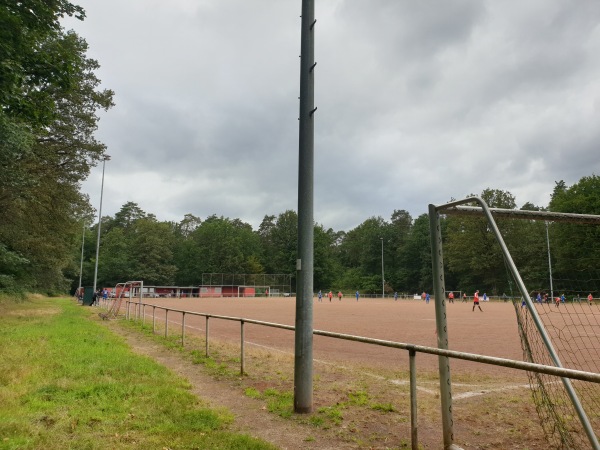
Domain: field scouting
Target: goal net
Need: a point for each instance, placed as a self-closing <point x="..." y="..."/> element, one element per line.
<point x="558" y="260"/>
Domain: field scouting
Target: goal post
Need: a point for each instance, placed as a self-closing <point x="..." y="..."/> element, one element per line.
<point x="550" y="332"/>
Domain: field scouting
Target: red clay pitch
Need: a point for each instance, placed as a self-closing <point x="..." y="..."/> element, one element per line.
<point x="492" y="332"/>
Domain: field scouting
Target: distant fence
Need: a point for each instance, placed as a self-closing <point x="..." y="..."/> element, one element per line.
<point x="139" y="311"/>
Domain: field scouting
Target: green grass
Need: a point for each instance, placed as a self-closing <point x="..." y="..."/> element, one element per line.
<point x="68" y="382"/>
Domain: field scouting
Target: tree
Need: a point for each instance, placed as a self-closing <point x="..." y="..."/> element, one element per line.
<point x="576" y="247"/>
<point x="280" y="242"/>
<point x="222" y="245"/>
<point x="49" y="97"/>
<point x="361" y="252"/>
<point x="414" y="273"/>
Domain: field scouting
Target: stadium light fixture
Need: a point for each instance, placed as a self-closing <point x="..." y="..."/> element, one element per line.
<point x="106" y="158"/>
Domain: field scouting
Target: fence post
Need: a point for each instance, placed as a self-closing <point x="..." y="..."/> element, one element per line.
<point x="413" y="400"/>
<point x="166" y="323"/>
<point x="127" y="312"/>
<point x="242" y="347"/>
<point x="153" y="319"/>
<point x="207" y="336"/>
<point x="183" y="329"/>
<point x="143" y="315"/>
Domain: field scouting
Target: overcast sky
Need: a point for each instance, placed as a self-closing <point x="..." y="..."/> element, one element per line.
<point x="418" y="102"/>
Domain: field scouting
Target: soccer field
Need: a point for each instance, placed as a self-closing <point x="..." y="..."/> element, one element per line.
<point x="492" y="332"/>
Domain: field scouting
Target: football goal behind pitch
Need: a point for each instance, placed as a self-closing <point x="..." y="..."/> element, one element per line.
<point x="557" y="324"/>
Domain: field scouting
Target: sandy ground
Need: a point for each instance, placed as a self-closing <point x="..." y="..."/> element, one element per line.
<point x="492" y="332"/>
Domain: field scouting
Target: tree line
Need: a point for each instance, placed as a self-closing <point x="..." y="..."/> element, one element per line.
<point x="49" y="100"/>
<point x="136" y="246"/>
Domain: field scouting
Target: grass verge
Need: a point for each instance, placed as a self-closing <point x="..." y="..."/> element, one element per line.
<point x="67" y="382"/>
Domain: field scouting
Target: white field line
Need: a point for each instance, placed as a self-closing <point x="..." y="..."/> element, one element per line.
<point x="468" y="394"/>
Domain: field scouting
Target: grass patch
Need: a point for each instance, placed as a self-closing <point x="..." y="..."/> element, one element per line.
<point x="67" y="382"/>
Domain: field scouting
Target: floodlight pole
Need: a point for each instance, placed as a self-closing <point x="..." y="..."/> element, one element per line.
<point x="303" y="351"/>
<point x="382" y="273"/>
<point x="549" y="262"/>
<point x="81" y="263"/>
<point x="106" y="158"/>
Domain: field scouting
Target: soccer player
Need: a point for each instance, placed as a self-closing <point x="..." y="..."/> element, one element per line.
<point x="427" y="298"/>
<point x="395" y="296"/>
<point x="464" y="297"/>
<point x="330" y="295"/>
<point x="357" y="295"/>
<point x="340" y="296"/>
<point x="320" y="295"/>
<point x="476" y="301"/>
<point x="451" y="297"/>
<point x="590" y="299"/>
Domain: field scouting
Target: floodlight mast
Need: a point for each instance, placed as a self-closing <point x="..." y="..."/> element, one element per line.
<point x="106" y="158"/>
<point x="303" y="350"/>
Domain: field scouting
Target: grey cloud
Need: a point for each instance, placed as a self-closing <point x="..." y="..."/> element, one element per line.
<point x="418" y="102"/>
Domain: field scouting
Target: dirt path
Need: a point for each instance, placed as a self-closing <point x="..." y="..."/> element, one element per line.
<point x="250" y="415"/>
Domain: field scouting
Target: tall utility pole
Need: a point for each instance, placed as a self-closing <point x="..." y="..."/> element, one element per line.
<point x="106" y="158"/>
<point x="81" y="263"/>
<point x="549" y="262"/>
<point x="382" y="273"/>
<point x="303" y="355"/>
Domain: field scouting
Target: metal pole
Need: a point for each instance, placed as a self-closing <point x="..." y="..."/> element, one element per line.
<point x="183" y="329"/>
<point x="153" y="319"/>
<point x="549" y="262"/>
<point x="413" y="400"/>
<point x="106" y="158"/>
<point x="81" y="264"/>
<point x="382" y="273"/>
<point x="166" y="323"/>
<point x="242" y="347"/>
<point x="303" y="354"/>
<point x="141" y="295"/>
<point x="437" y="265"/>
<point x="206" y="336"/>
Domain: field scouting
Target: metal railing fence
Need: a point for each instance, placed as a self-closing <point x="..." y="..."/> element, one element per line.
<point x="140" y="312"/>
